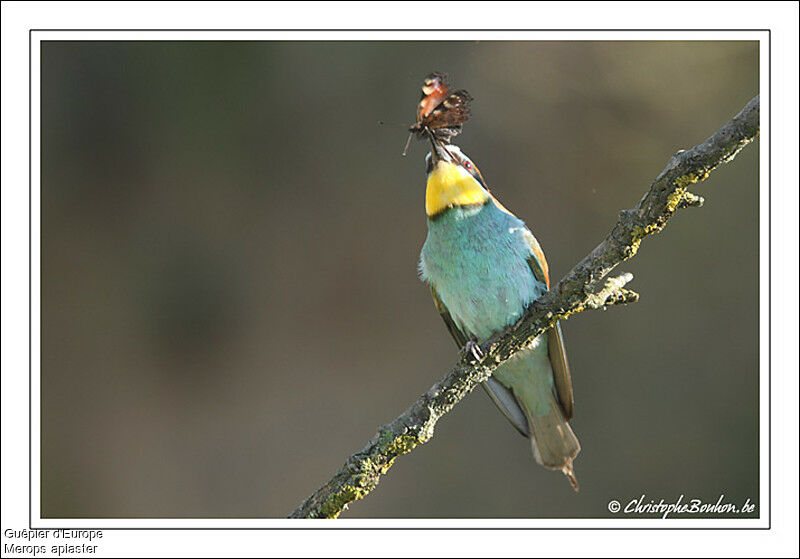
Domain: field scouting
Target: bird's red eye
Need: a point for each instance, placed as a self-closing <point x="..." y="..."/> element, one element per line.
<point x="467" y="165"/>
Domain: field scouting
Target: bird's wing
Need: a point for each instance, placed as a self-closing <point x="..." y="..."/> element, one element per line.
<point x="555" y="340"/>
<point x="455" y="331"/>
<point x="561" y="375"/>
<point x="537" y="261"/>
<point x="502" y="397"/>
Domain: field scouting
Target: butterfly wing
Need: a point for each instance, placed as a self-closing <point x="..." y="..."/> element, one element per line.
<point x="454" y="110"/>
<point x="440" y="112"/>
<point x="434" y="91"/>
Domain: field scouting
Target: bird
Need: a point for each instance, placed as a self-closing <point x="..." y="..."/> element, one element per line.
<point x="484" y="267"/>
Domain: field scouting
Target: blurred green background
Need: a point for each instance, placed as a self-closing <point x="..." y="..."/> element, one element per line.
<point x="230" y="302"/>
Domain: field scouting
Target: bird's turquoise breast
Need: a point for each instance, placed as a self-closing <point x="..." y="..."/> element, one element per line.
<point x="477" y="260"/>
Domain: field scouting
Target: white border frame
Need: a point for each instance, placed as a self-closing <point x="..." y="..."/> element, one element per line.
<point x="762" y="36"/>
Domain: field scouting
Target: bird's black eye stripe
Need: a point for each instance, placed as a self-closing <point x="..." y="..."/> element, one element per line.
<point x="473" y="170"/>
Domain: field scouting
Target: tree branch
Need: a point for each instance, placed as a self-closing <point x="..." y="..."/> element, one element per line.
<point x="584" y="287"/>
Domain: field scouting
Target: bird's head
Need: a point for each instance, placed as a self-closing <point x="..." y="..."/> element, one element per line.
<point x="453" y="180"/>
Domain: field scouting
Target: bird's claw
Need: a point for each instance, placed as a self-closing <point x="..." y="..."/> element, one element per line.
<point x="472" y="349"/>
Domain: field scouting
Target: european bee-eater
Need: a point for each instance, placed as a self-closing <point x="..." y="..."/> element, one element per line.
<point x="484" y="267"/>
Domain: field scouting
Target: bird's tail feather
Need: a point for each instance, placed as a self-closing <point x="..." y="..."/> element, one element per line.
<point x="553" y="442"/>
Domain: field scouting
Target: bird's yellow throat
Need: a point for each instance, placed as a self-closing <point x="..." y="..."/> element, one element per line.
<point x="451" y="185"/>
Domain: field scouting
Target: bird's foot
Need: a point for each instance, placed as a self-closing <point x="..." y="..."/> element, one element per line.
<point x="473" y="351"/>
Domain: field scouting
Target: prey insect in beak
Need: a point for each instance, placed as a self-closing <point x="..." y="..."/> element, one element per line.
<point x="440" y="112"/>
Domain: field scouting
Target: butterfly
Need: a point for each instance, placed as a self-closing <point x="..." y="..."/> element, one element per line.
<point x="440" y="113"/>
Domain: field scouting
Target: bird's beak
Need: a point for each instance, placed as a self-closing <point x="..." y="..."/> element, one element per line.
<point x="438" y="151"/>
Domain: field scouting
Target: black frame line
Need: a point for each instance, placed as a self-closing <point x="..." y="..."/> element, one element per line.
<point x="344" y="527"/>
